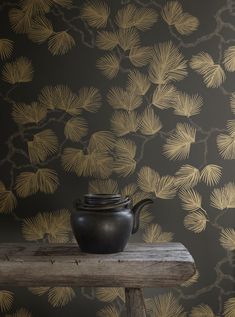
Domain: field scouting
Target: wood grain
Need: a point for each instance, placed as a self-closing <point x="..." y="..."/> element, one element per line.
<point x="135" y="306"/>
<point x="140" y="265"/>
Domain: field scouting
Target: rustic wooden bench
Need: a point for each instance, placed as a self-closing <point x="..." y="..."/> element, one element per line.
<point x="140" y="265"/>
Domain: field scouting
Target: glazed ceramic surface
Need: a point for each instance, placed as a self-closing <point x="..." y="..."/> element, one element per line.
<point x="103" y="223"/>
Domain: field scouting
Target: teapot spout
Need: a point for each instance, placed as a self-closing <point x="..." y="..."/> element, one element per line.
<point x="136" y="212"/>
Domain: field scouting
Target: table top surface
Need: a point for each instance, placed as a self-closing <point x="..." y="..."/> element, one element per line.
<point x="139" y="265"/>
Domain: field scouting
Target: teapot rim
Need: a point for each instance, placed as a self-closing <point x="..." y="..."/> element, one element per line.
<point x="103" y="195"/>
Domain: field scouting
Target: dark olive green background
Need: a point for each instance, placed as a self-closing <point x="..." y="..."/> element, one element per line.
<point x="76" y="69"/>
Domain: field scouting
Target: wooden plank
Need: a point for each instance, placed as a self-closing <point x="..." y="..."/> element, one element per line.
<point x="135" y="306"/>
<point x="140" y="265"/>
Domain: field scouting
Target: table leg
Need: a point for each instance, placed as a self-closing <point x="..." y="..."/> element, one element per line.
<point x="135" y="302"/>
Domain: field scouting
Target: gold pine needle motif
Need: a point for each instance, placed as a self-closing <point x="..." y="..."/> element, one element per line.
<point x="227" y="239"/>
<point x="20" y="20"/>
<point x="71" y="159"/>
<point x="165" y="305"/>
<point x="191" y="199"/>
<point x="101" y="141"/>
<point x="201" y="311"/>
<point x="186" y="105"/>
<point x="195" y="221"/>
<point x="44" y="144"/>
<point x="96" y="163"/>
<point x="146" y="217"/>
<point x="41" y="29"/>
<point x="140" y="55"/>
<point x="187" y="176"/>
<point x="125" y="16"/>
<point x="124" y="163"/>
<point x="229" y="59"/>
<point x="123" y="122"/>
<point x="125" y="148"/>
<point x="129" y="190"/>
<point x="128" y="39"/>
<point x="145" y="18"/>
<point x="211" y="174"/>
<point x="38" y="290"/>
<point x="35" y="7"/>
<point x="186" y="23"/>
<point x="140" y="18"/>
<point x="103" y="186"/>
<point x="213" y="74"/>
<point x="44" y="180"/>
<point x="47" y="180"/>
<point x="75" y="129"/>
<point x="164" y="96"/>
<point x="226" y="146"/>
<point x="136" y="195"/>
<point x="109" y="294"/>
<point x="19" y="71"/>
<point x="52" y="227"/>
<point x="103" y="166"/>
<point x="6" y="300"/>
<point x="229" y="307"/>
<point x="138" y="82"/>
<point x="153" y="233"/>
<point x="61" y="97"/>
<point x="149" y="123"/>
<point x="57" y="296"/>
<point x="231" y="127"/>
<point x="60" y="296"/>
<point x="24" y="114"/>
<point x="109" y="65"/>
<point x="60" y="43"/>
<point x="89" y="99"/>
<point x="171" y="12"/>
<point x="167" y="64"/>
<point x="6" y="48"/>
<point x="124" y="166"/>
<point x="95" y="13"/>
<point x="119" y="98"/>
<point x="178" y="144"/>
<point x="8" y="200"/>
<point x="48" y="97"/>
<point x="148" y="179"/>
<point x="66" y="100"/>
<point x="223" y="198"/>
<point x="106" y="40"/>
<point x="165" y="187"/>
<point x="109" y="311"/>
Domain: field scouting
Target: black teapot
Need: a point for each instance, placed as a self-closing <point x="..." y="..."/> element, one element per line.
<point x="103" y="223"/>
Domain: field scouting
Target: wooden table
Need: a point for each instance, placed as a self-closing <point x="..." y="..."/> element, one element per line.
<point x="140" y="265"/>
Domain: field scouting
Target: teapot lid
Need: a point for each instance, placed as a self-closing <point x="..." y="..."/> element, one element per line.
<point x="102" y="202"/>
<point x="101" y="199"/>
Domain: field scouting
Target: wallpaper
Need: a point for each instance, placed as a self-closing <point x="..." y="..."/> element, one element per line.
<point x="129" y="96"/>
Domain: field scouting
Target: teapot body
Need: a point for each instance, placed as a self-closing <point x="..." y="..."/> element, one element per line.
<point x="103" y="223"/>
<point x="107" y="232"/>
